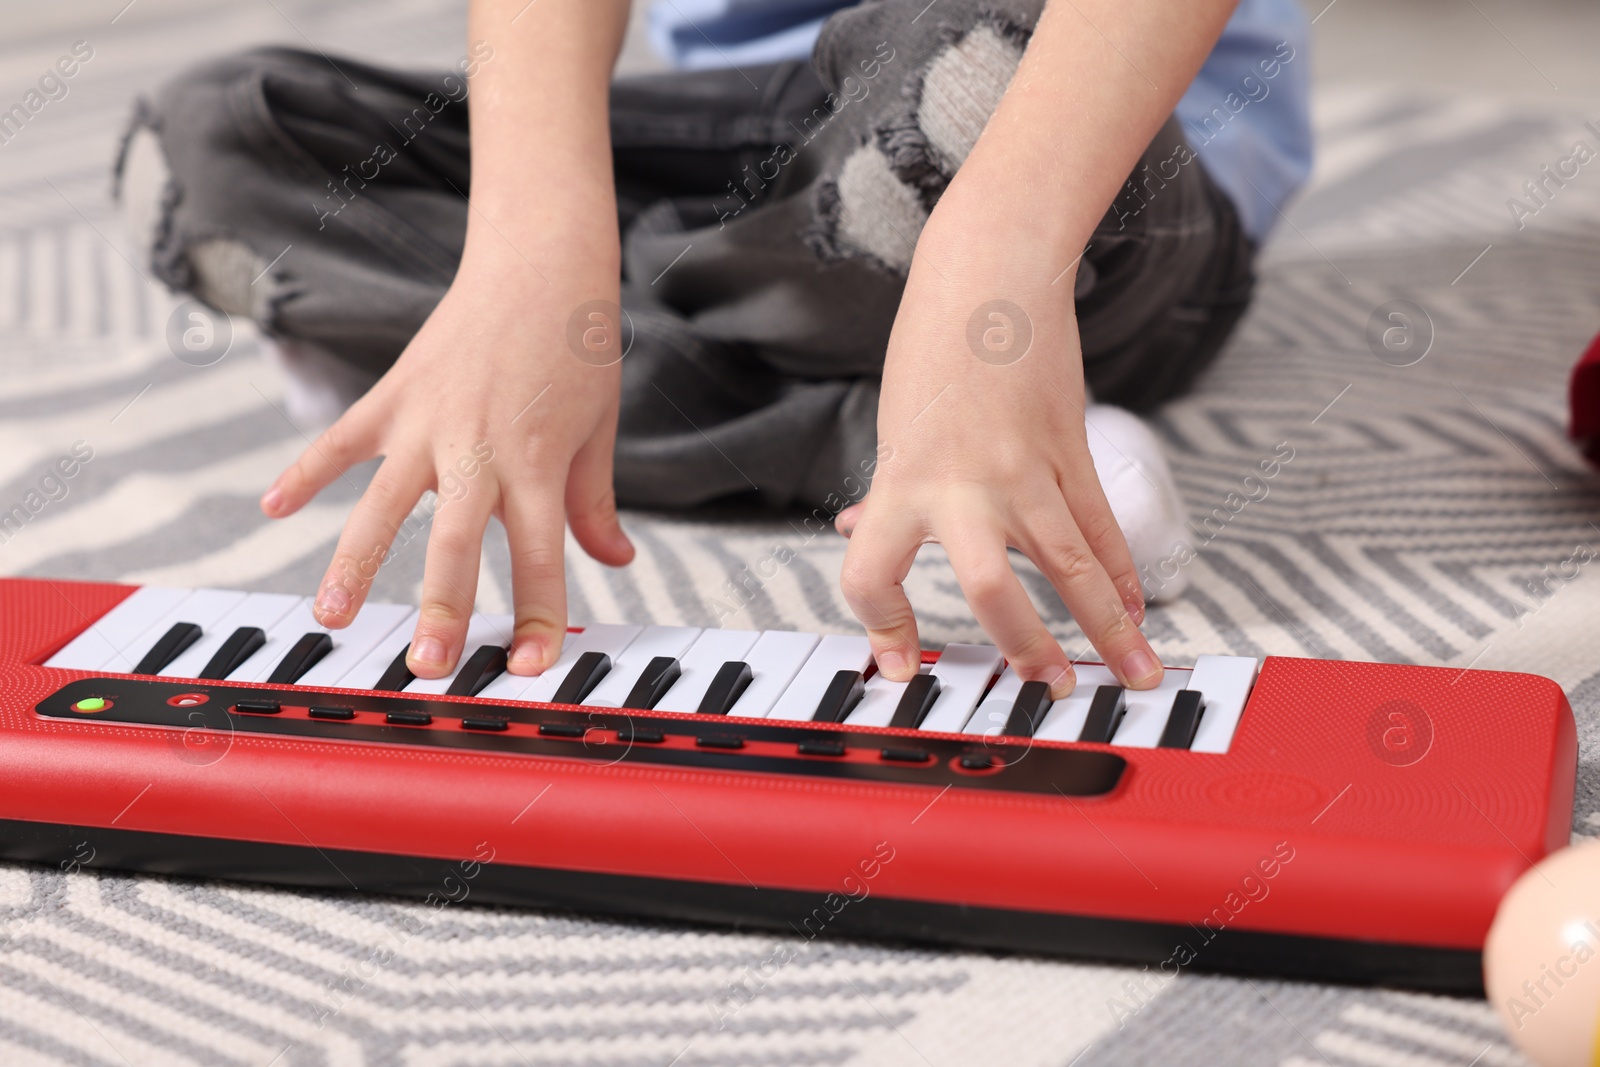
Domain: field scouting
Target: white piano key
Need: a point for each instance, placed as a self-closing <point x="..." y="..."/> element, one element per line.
<point x="1149" y="710"/>
<point x="879" y="701"/>
<point x="256" y="609"/>
<point x="774" y="659"/>
<point x="627" y="668"/>
<point x="1064" y="721"/>
<point x="203" y="607"/>
<point x="482" y="630"/>
<point x="701" y="663"/>
<point x="365" y="675"/>
<point x="281" y="637"/>
<point x="108" y="635"/>
<point x="964" y="672"/>
<point x="610" y="638"/>
<point x="992" y="715"/>
<point x="352" y="644"/>
<point x="834" y="653"/>
<point x="1225" y="682"/>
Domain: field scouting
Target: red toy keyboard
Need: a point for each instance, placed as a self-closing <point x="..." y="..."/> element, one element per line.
<point x="1310" y="818"/>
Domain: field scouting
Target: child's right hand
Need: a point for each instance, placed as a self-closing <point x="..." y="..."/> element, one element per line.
<point x="490" y="406"/>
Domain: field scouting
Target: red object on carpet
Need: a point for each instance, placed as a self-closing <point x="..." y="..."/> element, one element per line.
<point x="1585" y="401"/>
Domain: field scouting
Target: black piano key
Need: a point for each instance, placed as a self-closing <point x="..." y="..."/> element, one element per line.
<point x="1106" y="710"/>
<point x="301" y="658"/>
<point x="1184" y="721"/>
<point x="915" y="702"/>
<point x="168" y="648"/>
<point x="1029" y="709"/>
<point x="397" y="675"/>
<point x="582" y="678"/>
<point x="659" y="675"/>
<point x="481" y="668"/>
<point x="732" y="679"/>
<point x="841" y="697"/>
<point x="243" y="643"/>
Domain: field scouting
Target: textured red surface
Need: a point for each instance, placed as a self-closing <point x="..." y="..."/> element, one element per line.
<point x="1418" y="853"/>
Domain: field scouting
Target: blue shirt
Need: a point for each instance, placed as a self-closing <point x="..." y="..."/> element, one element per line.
<point x="1246" y="114"/>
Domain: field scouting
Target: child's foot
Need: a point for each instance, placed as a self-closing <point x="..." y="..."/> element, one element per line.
<point x="319" y="386"/>
<point x="1138" y="485"/>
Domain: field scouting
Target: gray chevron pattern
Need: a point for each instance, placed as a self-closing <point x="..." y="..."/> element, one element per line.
<point x="1420" y="519"/>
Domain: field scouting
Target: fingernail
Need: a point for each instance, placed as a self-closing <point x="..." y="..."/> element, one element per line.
<point x="527" y="657"/>
<point x="1139" y="666"/>
<point x="1135" y="607"/>
<point x="272" y="500"/>
<point x="333" y="600"/>
<point x="1062" y="684"/>
<point x="891" y="664"/>
<point x="429" y="650"/>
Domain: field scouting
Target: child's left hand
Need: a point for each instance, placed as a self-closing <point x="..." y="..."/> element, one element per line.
<point x="984" y="449"/>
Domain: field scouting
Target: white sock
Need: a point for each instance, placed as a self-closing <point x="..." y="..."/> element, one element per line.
<point x="319" y="385"/>
<point x="1139" y="486"/>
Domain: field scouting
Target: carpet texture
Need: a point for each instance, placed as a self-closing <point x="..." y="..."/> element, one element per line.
<point x="1421" y="518"/>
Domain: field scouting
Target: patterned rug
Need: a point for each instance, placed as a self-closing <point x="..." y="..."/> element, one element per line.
<point x="1430" y="513"/>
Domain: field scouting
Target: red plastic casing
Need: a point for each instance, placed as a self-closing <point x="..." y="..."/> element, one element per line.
<point x="1418" y="854"/>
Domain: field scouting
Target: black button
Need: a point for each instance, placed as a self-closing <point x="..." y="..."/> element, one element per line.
<point x="821" y="748"/>
<point x="323" y="712"/>
<point x="1028" y="710"/>
<point x="915" y="702"/>
<point x="168" y="648"/>
<point x="243" y="643"/>
<point x="1106" y="710"/>
<point x="1184" y="720"/>
<point x="483" y="722"/>
<point x="563" y="729"/>
<point x="977" y="761"/>
<point x="732" y="679"/>
<point x="719" y="742"/>
<point x="906" y="755"/>
<point x="643" y="737"/>
<point x="408" y="718"/>
<point x="258" y="707"/>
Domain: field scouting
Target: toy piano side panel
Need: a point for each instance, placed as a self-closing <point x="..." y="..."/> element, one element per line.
<point x="38" y="616"/>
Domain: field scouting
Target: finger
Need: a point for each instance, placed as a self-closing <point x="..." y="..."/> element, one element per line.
<point x="536" y="534"/>
<point x="845" y="521"/>
<point x="450" y="580"/>
<point x="368" y="533"/>
<point x="875" y="565"/>
<point x="341" y="446"/>
<point x="1053" y="541"/>
<point x="1092" y="513"/>
<point x="591" y="499"/>
<point x="1001" y="606"/>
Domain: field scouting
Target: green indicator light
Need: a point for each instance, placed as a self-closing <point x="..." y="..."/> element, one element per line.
<point x="90" y="704"/>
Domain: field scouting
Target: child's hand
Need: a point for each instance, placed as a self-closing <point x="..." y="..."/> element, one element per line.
<point x="490" y="374"/>
<point x="986" y="450"/>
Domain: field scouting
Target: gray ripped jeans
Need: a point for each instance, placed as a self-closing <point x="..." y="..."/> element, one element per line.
<point x="767" y="218"/>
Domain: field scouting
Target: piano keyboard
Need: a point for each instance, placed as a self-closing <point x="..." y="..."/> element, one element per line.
<point x="1293" y="817"/>
<point x="226" y="635"/>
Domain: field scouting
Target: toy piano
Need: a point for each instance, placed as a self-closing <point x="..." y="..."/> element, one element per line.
<point x="1297" y="817"/>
